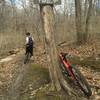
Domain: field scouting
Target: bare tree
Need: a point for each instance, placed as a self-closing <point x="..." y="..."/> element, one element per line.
<point x="87" y="22"/>
<point x="2" y="16"/>
<point x="57" y="78"/>
<point x="82" y="35"/>
<point x="78" y="21"/>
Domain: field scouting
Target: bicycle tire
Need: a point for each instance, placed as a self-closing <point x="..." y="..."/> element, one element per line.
<point x="27" y="57"/>
<point x="81" y="81"/>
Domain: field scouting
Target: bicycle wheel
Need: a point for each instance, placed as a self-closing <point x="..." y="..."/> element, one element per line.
<point x="81" y="82"/>
<point x="27" y="57"/>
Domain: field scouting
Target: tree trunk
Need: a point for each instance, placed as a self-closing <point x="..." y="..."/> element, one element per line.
<point x="2" y="17"/>
<point x="82" y="36"/>
<point x="48" y="21"/>
<point x="57" y="78"/>
<point x="78" y="22"/>
<point x="87" y="22"/>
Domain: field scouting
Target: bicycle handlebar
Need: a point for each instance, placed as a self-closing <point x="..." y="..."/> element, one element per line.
<point x="64" y="55"/>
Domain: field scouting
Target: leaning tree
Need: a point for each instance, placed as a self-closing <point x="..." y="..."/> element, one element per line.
<point x="57" y="79"/>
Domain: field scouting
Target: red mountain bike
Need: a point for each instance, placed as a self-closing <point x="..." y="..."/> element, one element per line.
<point x="71" y="72"/>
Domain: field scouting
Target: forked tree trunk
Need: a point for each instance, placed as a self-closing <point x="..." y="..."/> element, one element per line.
<point x="87" y="22"/>
<point x="52" y="56"/>
<point x="78" y="20"/>
<point x="82" y="35"/>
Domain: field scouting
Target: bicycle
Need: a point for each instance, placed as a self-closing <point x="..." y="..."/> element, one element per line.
<point x="27" y="57"/>
<point x="71" y="72"/>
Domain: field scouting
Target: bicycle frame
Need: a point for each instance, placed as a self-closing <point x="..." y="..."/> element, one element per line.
<point x="67" y="66"/>
<point x="74" y="74"/>
<point x="27" y="57"/>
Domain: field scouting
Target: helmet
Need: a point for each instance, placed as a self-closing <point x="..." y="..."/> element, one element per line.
<point x="28" y="34"/>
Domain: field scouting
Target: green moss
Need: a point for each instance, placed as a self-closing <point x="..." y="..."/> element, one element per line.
<point x="45" y="94"/>
<point x="42" y="96"/>
<point x="36" y="77"/>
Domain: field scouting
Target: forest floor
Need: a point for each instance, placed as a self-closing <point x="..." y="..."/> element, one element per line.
<point x="32" y="82"/>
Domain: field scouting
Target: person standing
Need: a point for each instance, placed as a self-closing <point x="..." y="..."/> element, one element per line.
<point x="29" y="43"/>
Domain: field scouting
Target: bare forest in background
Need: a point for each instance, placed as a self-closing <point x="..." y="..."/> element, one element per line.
<point x="15" y="21"/>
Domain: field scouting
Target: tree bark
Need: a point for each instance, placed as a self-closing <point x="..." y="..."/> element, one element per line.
<point x="87" y="22"/>
<point x="82" y="35"/>
<point x="52" y="55"/>
<point x="78" y="22"/>
<point x="48" y="23"/>
<point x="57" y="78"/>
<point x="2" y="17"/>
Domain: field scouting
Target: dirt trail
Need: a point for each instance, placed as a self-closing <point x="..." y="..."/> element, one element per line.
<point x="14" y="92"/>
<point x="12" y="72"/>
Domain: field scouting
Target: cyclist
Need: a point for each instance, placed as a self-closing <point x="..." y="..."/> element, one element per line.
<point x="29" y="43"/>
